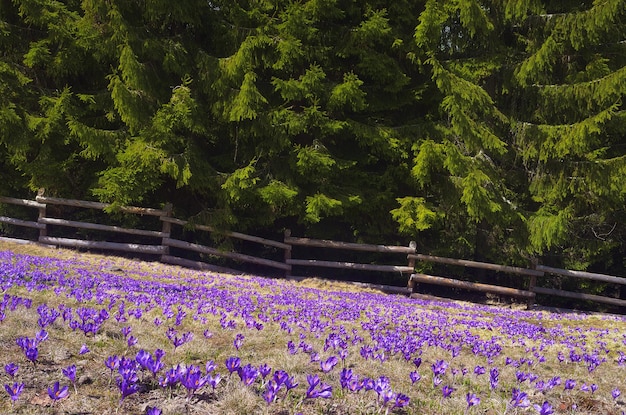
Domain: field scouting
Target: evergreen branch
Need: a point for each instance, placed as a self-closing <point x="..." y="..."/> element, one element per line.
<point x="620" y="113"/>
<point x="610" y="78"/>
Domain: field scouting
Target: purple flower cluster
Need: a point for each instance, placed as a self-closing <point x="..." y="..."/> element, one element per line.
<point x="336" y="331"/>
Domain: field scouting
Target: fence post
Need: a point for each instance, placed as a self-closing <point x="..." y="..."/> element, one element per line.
<point x="43" y="232"/>
<point x="411" y="283"/>
<point x="287" y="252"/>
<point x="166" y="229"/>
<point x="531" y="284"/>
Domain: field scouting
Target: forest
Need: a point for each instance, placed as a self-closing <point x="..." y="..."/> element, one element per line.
<point x="482" y="129"/>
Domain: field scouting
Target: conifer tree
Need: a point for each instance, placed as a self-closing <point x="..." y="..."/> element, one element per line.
<point x="568" y="129"/>
<point x="317" y="97"/>
<point x="527" y="139"/>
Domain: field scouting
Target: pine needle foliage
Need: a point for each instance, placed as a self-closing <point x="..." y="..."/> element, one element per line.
<point x="497" y="125"/>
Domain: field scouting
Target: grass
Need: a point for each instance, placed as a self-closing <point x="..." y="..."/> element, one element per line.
<point x="379" y="336"/>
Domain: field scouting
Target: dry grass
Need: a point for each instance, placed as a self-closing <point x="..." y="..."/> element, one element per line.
<point x="308" y="311"/>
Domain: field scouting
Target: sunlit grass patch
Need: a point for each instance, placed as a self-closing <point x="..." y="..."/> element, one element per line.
<point x="194" y="342"/>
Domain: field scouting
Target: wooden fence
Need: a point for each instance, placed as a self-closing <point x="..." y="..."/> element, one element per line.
<point x="162" y="243"/>
<point x="321" y="243"/>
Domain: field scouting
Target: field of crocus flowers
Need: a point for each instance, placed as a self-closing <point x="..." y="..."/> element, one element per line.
<point x="87" y="334"/>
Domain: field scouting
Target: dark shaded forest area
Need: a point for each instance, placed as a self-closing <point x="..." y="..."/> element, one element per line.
<point x="487" y="130"/>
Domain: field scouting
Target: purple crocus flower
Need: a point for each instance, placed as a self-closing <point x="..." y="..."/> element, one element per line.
<point x="210" y="366"/>
<point x="171" y="378"/>
<point x="70" y="373"/>
<point x="354" y="385"/>
<point x="472" y="399"/>
<point x="381" y="385"/>
<point x="280" y="376"/>
<point x="131" y="341"/>
<point x="545" y="409"/>
<point x="153" y="410"/>
<point x="290" y="383"/>
<point x="41" y="336"/>
<point x="126" y="330"/>
<point x="479" y="370"/>
<point x="555" y="381"/>
<point x="344" y="377"/>
<point x="329" y="364"/>
<point x="248" y="374"/>
<point x="264" y="370"/>
<point x="494" y="376"/>
<point x="325" y="391"/>
<point x="401" y="401"/>
<point x="368" y="384"/>
<point x="519" y="399"/>
<point x="113" y="363"/>
<point x="615" y="393"/>
<point x="11" y="369"/>
<point x="233" y="363"/>
<point x="214" y="380"/>
<point x="447" y="391"/>
<point x="569" y="384"/>
<point x="127" y="386"/>
<point x="238" y="342"/>
<point x="143" y="357"/>
<point x="56" y="392"/>
<point x="291" y="347"/>
<point x="415" y="376"/>
<point x="14" y="391"/>
<point x="270" y="391"/>
<point x="193" y="380"/>
<point x="313" y="380"/>
<point x="31" y="354"/>
<point x="439" y="367"/>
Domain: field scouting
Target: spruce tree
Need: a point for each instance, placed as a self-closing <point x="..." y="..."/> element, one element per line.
<point x="526" y="140"/>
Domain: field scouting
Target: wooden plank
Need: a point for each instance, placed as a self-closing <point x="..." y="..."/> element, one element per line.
<point x="112" y="246"/>
<point x="16" y="240"/>
<point x="427" y="297"/>
<point x="188" y="263"/>
<point x="581" y="296"/>
<point x="475" y="264"/>
<point x="19" y="222"/>
<point x="237" y="235"/>
<point x="99" y="205"/>
<point x="324" y="243"/>
<point x="381" y="287"/>
<point x="449" y="282"/>
<point x="225" y="254"/>
<point x="582" y="274"/>
<point x="21" y="202"/>
<point x="98" y="227"/>
<point x="350" y="265"/>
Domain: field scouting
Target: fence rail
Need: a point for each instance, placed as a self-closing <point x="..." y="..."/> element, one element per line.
<point x="164" y="242"/>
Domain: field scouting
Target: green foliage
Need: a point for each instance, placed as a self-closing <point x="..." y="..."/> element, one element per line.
<point x="475" y="126"/>
<point x="548" y="229"/>
<point x="320" y="205"/>
<point x="413" y="215"/>
<point x="348" y="95"/>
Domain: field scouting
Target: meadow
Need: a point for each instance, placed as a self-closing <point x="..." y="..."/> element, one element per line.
<point x="88" y="334"/>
